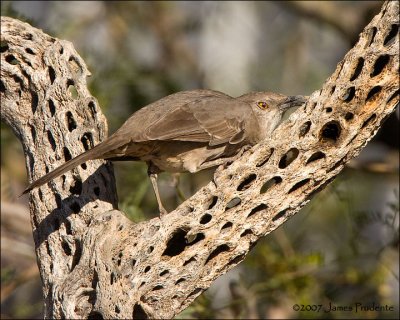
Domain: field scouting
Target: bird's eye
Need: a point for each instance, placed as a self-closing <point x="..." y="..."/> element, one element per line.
<point x="262" y="105"/>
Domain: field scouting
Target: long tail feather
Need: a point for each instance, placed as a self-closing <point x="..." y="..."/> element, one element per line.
<point x="94" y="153"/>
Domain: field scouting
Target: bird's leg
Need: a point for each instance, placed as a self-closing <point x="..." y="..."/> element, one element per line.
<point x="153" y="179"/>
<point x="152" y="173"/>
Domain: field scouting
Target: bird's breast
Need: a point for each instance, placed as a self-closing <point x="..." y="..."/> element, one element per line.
<point x="179" y="156"/>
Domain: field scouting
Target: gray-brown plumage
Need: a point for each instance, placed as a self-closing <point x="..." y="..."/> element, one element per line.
<point x="188" y="131"/>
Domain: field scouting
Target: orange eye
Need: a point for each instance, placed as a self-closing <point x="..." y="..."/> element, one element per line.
<point x="262" y="105"/>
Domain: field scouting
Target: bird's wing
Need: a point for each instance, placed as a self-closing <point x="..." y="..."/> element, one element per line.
<point x="215" y="120"/>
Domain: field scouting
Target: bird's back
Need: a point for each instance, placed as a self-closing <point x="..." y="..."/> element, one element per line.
<point x="154" y="112"/>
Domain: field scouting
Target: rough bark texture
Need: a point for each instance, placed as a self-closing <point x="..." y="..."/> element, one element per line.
<point x="93" y="261"/>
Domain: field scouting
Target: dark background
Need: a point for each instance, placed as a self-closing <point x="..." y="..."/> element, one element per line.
<point x="342" y="248"/>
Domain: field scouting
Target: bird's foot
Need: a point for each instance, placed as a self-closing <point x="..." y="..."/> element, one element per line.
<point x="163" y="211"/>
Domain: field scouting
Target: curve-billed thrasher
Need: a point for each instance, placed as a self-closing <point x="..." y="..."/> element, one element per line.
<point x="188" y="131"/>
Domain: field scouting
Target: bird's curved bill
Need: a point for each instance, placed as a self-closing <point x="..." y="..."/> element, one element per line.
<point x="293" y="101"/>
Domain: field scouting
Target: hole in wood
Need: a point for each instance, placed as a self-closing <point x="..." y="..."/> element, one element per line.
<point x="191" y="240"/>
<point x="380" y="64"/>
<point x="176" y="244"/>
<point x="163" y="273"/>
<point x="74" y="65"/>
<point x="189" y="261"/>
<point x="358" y="69"/>
<point x="236" y="259"/>
<point x="11" y="59"/>
<point x="270" y="183"/>
<point x="33" y="133"/>
<point x="119" y="260"/>
<point x="220" y="249"/>
<point x="233" y="203"/>
<point x="180" y="280"/>
<point x="139" y="313"/>
<point x="71" y="123"/>
<point x="338" y="164"/>
<point x="67" y="154"/>
<point x="66" y="248"/>
<point x="19" y="81"/>
<point x="226" y="226"/>
<point x="265" y="158"/>
<point x="92" y="108"/>
<point x="147" y="269"/>
<point x="213" y="202"/>
<point x="150" y="249"/>
<point x="159" y="287"/>
<point x="246" y="233"/>
<point x="194" y="292"/>
<point x="52" y="75"/>
<point x="288" y="158"/>
<point x="95" y="315"/>
<point x="245" y="184"/>
<point x="299" y="184"/>
<point x="316" y="156"/>
<point x="28" y="36"/>
<point x="52" y="107"/>
<point x="3" y="46"/>
<point x="369" y="120"/>
<point x="349" y="94"/>
<point x="72" y="89"/>
<point x="389" y="39"/>
<point x="206" y="218"/>
<point x="328" y="110"/>
<point x="2" y="87"/>
<point x="30" y="51"/>
<point x="333" y="89"/>
<point x="259" y="208"/>
<point x="87" y="140"/>
<point x="330" y="131"/>
<point x="77" y="254"/>
<point x="372" y="34"/>
<point x="279" y="215"/>
<point x="35" y="101"/>
<point x="305" y="128"/>
<point x="117" y="310"/>
<point x="372" y="94"/>
<point x="349" y="116"/>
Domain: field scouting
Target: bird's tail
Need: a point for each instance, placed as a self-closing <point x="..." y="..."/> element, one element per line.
<point x="94" y="153"/>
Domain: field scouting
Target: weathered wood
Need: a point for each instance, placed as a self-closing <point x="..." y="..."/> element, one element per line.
<point x="94" y="261"/>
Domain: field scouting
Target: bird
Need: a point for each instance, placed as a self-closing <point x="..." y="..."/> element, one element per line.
<point x="188" y="131"/>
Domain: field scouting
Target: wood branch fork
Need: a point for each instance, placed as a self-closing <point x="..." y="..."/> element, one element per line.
<point x="96" y="263"/>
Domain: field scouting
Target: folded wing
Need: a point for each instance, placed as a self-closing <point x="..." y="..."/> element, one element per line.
<point x="215" y="120"/>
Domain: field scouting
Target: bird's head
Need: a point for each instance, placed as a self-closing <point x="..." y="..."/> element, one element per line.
<point x="270" y="107"/>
